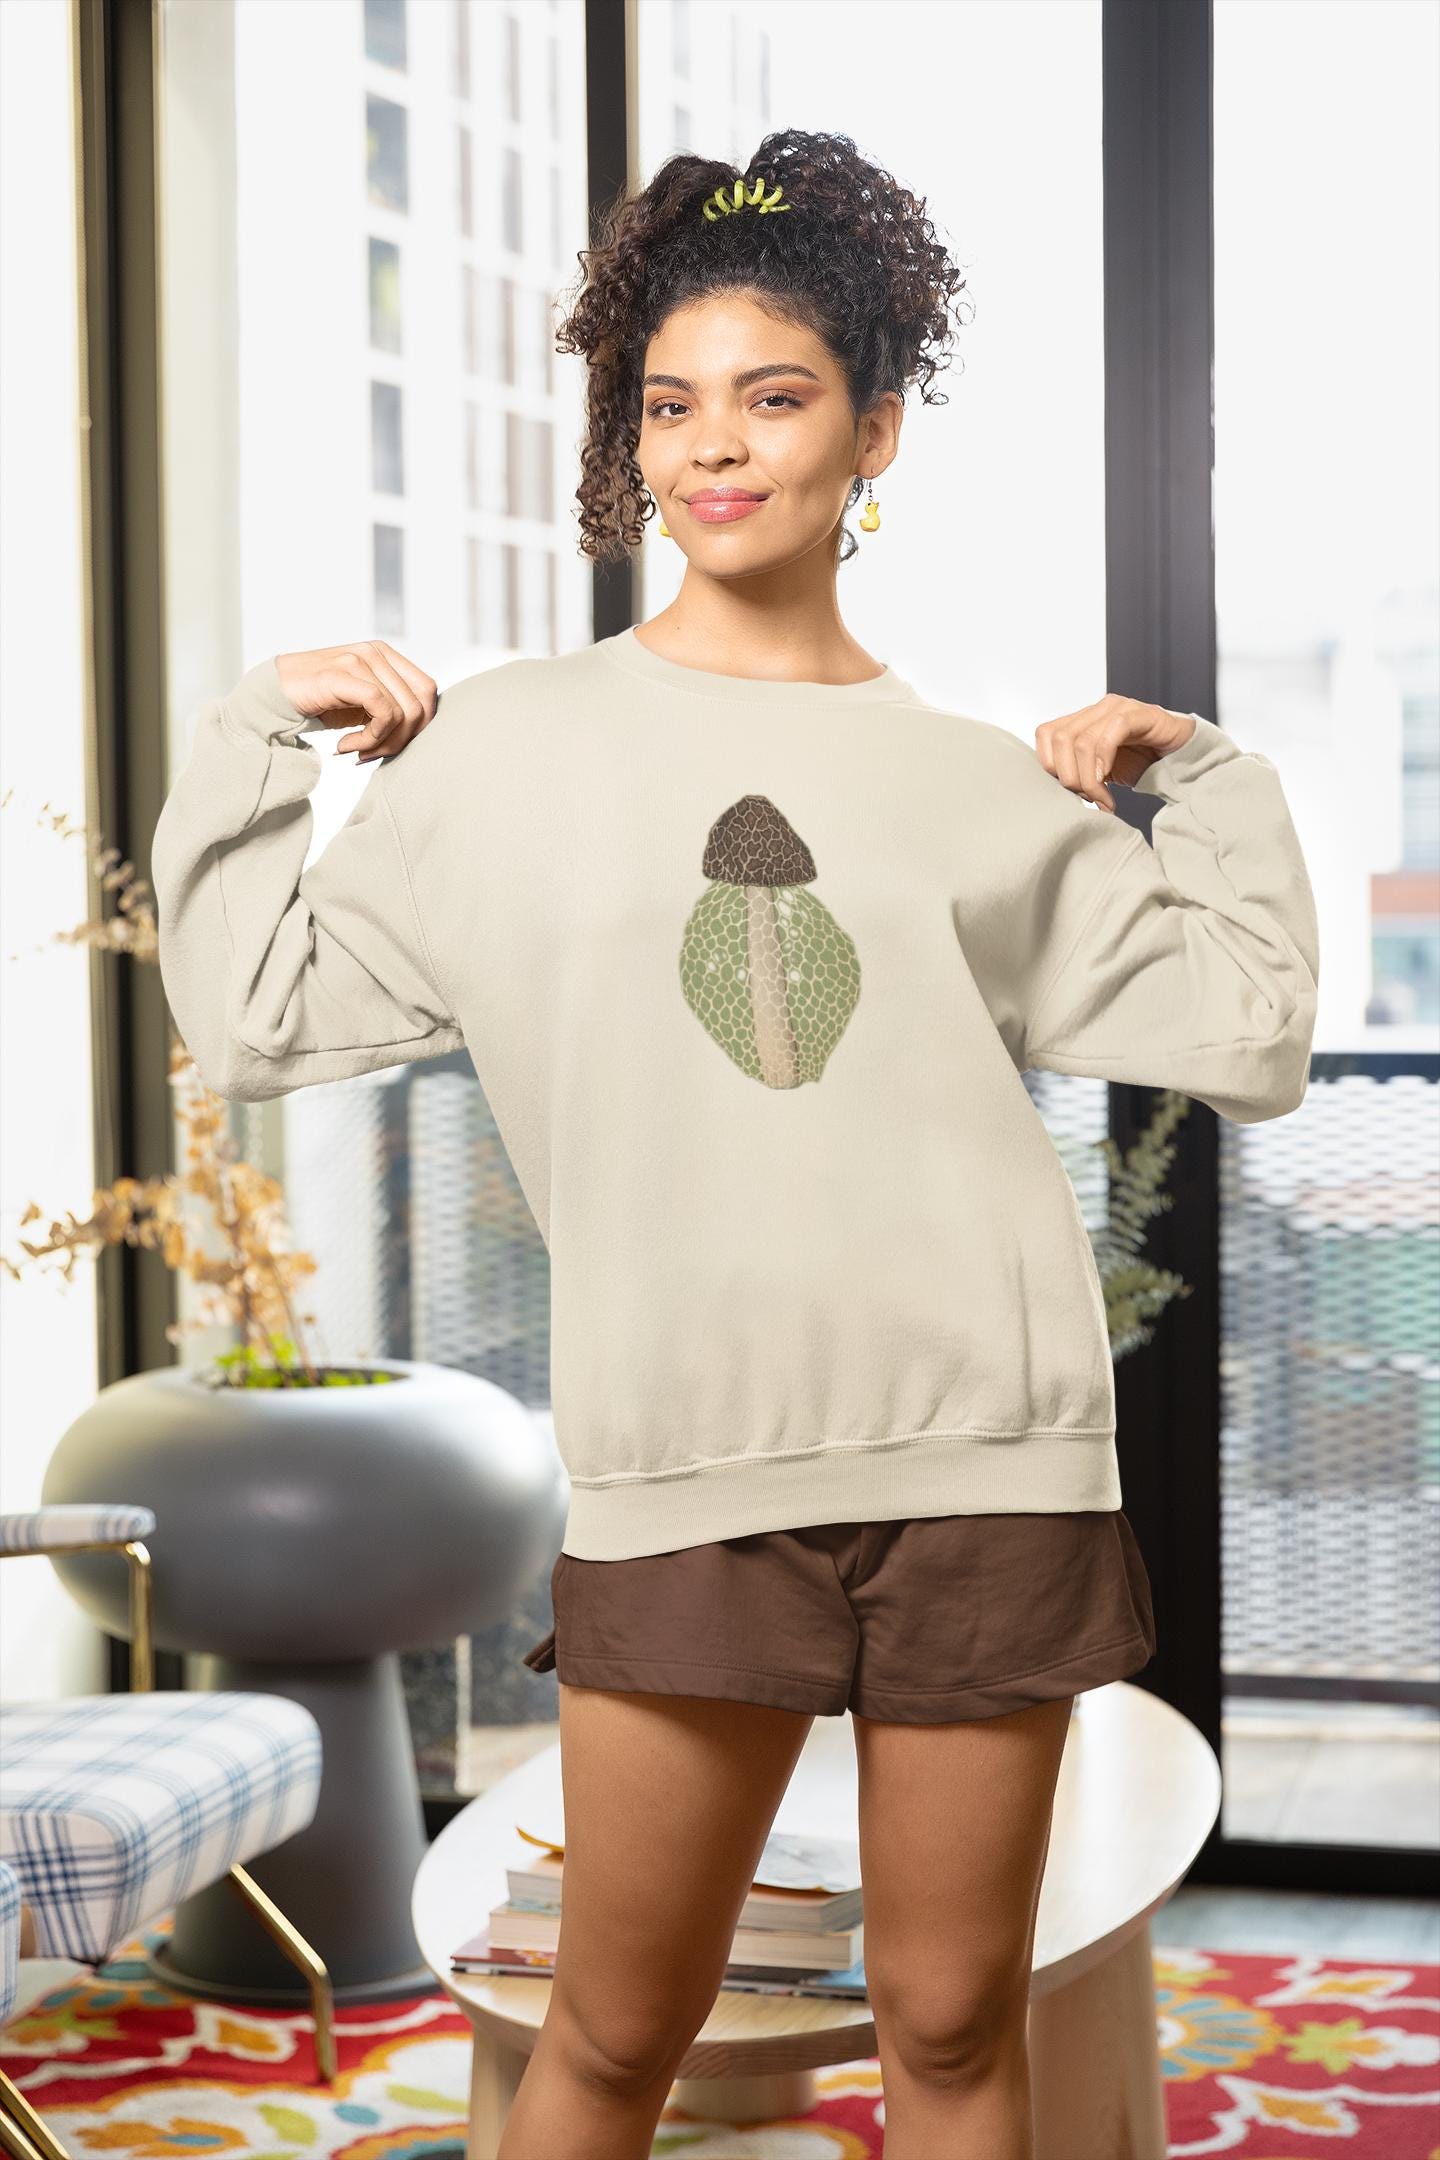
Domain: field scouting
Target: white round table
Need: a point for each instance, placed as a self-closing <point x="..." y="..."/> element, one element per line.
<point x="1138" y="1792"/>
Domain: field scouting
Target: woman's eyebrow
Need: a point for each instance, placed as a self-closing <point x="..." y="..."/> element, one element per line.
<point x="737" y="382"/>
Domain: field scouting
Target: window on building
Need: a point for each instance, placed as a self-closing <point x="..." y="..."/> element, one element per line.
<point x="388" y="559"/>
<point x="387" y="152"/>
<point x="387" y="453"/>
<point x="385" y="32"/>
<point x="384" y="295"/>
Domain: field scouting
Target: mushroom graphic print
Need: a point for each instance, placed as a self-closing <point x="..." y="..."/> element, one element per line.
<point x="765" y="967"/>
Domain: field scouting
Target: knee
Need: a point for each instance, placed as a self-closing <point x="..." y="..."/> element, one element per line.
<point x="621" y="2048"/>
<point x="953" y="2037"/>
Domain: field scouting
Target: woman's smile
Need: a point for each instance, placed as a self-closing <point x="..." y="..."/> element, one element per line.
<point x="721" y="505"/>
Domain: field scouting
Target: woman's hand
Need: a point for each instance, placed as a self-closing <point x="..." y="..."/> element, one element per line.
<point x="368" y="682"/>
<point x="1114" y="739"/>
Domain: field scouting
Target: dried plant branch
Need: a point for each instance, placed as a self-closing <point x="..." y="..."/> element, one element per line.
<point x="247" y="1276"/>
<point x="131" y="928"/>
<point x="220" y="1220"/>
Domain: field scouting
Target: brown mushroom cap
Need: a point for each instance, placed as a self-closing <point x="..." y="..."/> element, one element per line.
<point x="753" y="843"/>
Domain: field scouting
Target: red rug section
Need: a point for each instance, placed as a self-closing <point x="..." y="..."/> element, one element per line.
<point x="1295" y="2058"/>
<point x="1263" y="2058"/>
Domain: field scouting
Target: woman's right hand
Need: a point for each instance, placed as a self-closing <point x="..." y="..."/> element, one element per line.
<point x="368" y="683"/>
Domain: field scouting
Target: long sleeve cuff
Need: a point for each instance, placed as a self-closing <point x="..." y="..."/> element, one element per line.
<point x="258" y="705"/>
<point x="1208" y="747"/>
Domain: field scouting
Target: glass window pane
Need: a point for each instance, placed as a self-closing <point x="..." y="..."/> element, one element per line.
<point x="389" y="559"/>
<point x="385" y="32"/>
<point x="384" y="295"/>
<point x="510" y="67"/>
<point x="50" y="1329"/>
<point x="514" y="464"/>
<point x="387" y="457"/>
<point x="463" y="57"/>
<point x="257" y="236"/>
<point x="1328" y="592"/>
<point x="465" y="181"/>
<point x="387" y="153"/>
<point x="511" y="185"/>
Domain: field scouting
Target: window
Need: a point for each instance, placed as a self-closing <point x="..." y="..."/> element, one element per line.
<point x="336" y="421"/>
<point x="511" y="187"/>
<point x="486" y="464"/>
<point x="530" y="467"/>
<point x="510" y="67"/>
<point x="389" y="580"/>
<point x="493" y="592"/>
<point x="387" y="458"/>
<point x="48" y="1374"/>
<point x="384" y="295"/>
<point x="557" y="217"/>
<point x="387" y="153"/>
<point x="470" y="308"/>
<point x="385" y="32"/>
<point x="1327" y="557"/>
<point x="462" y="58"/>
<point x="465" y="180"/>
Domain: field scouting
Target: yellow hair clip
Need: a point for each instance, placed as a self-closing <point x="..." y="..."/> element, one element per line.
<point x="721" y="205"/>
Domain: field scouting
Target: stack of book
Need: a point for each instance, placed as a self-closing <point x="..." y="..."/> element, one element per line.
<point x="800" y="1931"/>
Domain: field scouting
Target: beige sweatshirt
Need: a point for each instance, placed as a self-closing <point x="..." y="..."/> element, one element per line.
<point x="749" y="972"/>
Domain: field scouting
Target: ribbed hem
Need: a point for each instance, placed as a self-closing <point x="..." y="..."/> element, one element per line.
<point x="939" y="1474"/>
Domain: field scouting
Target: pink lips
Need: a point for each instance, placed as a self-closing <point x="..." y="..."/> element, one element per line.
<point x="722" y="506"/>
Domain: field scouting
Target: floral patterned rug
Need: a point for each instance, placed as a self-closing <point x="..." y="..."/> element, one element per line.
<point x="1294" y="2058"/>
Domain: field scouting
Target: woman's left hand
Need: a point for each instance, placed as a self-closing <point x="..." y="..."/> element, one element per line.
<point x="1114" y="739"/>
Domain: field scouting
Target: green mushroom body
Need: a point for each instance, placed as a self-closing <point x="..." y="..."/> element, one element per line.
<point x="765" y="967"/>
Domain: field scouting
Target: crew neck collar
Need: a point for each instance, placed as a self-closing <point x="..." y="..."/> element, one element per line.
<point x="625" y="650"/>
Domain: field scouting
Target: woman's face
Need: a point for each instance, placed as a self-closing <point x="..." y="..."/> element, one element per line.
<point x="747" y="440"/>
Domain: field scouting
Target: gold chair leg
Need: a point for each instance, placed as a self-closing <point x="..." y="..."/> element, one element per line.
<point x="299" y="1952"/>
<point x="142" y="1618"/>
<point x="22" y="2133"/>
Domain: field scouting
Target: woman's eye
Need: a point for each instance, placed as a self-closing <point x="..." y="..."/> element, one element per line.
<point x="663" y="405"/>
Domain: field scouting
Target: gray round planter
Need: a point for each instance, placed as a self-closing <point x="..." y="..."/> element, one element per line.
<point x="304" y="1538"/>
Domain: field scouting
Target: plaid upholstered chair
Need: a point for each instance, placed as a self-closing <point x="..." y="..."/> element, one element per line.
<point x="113" y="1808"/>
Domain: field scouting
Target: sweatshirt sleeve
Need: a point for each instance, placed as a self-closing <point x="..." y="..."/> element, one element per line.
<point x="1188" y="961"/>
<point x="277" y="976"/>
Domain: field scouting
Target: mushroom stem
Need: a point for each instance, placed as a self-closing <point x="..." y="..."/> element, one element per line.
<point x="769" y="1001"/>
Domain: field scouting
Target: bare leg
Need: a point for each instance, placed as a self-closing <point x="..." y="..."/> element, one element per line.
<point x="668" y="1803"/>
<point x="954" y="1828"/>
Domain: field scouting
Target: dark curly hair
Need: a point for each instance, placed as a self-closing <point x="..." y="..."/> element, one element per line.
<point x="856" y="259"/>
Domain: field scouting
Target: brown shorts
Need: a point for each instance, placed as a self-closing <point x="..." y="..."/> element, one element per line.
<point x="921" y="1620"/>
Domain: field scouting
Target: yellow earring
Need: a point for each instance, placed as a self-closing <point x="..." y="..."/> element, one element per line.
<point x="870" y="515"/>
<point x="664" y="530"/>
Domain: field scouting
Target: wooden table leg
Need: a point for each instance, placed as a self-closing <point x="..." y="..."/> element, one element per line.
<point x="495" y="2074"/>
<point x="1095" y="2077"/>
<point x="738" y="2100"/>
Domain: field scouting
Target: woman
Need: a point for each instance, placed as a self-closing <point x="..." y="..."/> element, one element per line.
<point x="751" y="945"/>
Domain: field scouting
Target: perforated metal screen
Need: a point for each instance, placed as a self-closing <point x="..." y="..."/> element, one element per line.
<point x="1330" y="1377"/>
<point x="399" y="1184"/>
